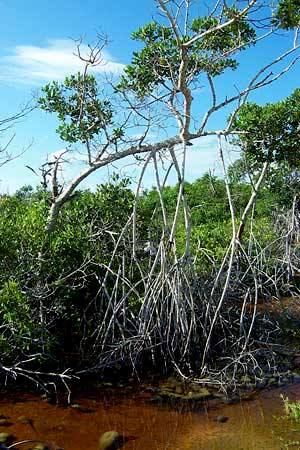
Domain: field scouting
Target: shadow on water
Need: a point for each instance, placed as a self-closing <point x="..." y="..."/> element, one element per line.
<point x="256" y="424"/>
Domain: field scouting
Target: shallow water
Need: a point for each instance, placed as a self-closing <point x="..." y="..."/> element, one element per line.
<point x="255" y="424"/>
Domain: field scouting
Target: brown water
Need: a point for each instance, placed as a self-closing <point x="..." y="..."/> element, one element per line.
<point x="257" y="424"/>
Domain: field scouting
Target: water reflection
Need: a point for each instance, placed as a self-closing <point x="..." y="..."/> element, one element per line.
<point x="251" y="425"/>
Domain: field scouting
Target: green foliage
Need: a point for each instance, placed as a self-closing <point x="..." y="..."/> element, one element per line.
<point x="282" y="184"/>
<point x="207" y="200"/>
<point x="210" y="215"/>
<point x="210" y="239"/>
<point x="271" y="132"/>
<point x="288" y="14"/>
<point x="81" y="113"/>
<point x="15" y="317"/>
<point x="22" y="222"/>
<point x="159" y="61"/>
<point x="292" y="409"/>
<point x="73" y="260"/>
<point x="53" y="287"/>
<point x="237" y="171"/>
<point x="79" y="250"/>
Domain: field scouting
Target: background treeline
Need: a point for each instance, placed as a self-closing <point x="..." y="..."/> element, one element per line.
<point x="56" y="295"/>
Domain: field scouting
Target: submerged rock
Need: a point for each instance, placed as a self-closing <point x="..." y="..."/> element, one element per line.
<point x="40" y="446"/>
<point x="110" y="440"/>
<point x="24" y="420"/>
<point x="5" y="422"/>
<point x="220" y="418"/>
<point x="45" y="446"/>
<point x="82" y="408"/>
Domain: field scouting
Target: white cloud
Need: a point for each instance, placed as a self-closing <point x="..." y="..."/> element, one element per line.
<point x="36" y="65"/>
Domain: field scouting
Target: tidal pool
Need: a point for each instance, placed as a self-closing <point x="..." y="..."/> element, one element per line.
<point x="257" y="424"/>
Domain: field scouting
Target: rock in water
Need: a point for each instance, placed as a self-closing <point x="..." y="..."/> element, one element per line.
<point x="24" y="420"/>
<point x="5" y="422"/>
<point x="110" y="440"/>
<point x="221" y="419"/>
<point x="40" y="446"/>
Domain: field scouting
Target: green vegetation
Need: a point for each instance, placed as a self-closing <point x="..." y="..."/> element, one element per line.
<point x="77" y="124"/>
<point x="68" y="286"/>
<point x="271" y="131"/>
<point x="160" y="58"/>
<point x="107" y="280"/>
<point x="292" y="409"/>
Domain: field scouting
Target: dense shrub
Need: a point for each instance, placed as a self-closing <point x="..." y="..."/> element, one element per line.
<point x="62" y="275"/>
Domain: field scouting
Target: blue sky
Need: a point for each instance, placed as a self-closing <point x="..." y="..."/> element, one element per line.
<point x="36" y="47"/>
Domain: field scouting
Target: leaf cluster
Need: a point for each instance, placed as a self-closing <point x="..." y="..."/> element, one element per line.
<point x="76" y="101"/>
<point x="271" y="132"/>
<point x="288" y="14"/>
<point x="158" y="63"/>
